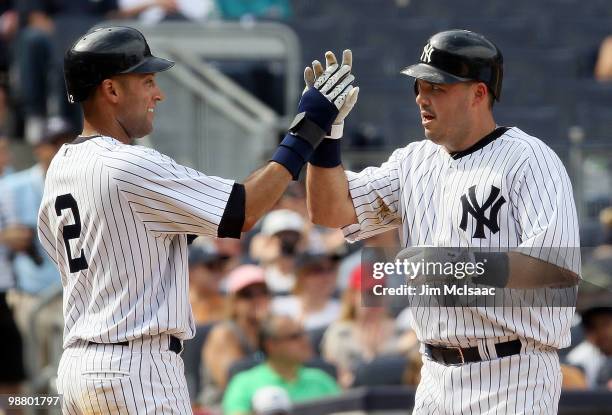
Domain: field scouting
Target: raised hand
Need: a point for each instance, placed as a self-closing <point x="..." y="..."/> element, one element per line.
<point x="335" y="82"/>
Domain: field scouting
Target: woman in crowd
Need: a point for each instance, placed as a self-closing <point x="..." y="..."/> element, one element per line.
<point x="236" y="337"/>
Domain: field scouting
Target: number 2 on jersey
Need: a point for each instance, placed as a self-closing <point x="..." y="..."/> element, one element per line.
<point x="73" y="231"/>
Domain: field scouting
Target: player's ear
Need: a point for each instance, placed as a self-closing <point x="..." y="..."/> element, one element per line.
<point x="480" y="94"/>
<point x="109" y="88"/>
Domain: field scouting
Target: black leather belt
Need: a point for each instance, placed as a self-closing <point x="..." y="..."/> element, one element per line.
<point x="175" y="344"/>
<point x="459" y="355"/>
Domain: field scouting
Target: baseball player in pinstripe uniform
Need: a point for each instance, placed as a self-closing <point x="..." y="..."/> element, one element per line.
<point x="470" y="184"/>
<point x="115" y="218"/>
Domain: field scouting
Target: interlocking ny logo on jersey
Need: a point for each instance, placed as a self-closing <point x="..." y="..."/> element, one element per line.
<point x="478" y="212"/>
<point x="426" y="55"/>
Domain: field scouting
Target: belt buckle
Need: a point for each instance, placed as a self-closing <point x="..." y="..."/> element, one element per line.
<point x="460" y="351"/>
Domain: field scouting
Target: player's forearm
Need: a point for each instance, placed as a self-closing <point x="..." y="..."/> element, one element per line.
<point x="526" y="272"/>
<point x="328" y="198"/>
<point x="262" y="190"/>
<point x="519" y="271"/>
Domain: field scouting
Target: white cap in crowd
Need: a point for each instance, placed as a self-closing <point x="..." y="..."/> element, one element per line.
<point x="271" y="400"/>
<point x="282" y="220"/>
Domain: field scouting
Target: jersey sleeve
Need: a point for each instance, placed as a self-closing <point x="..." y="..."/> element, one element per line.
<point x="545" y="211"/>
<point x="171" y="198"/>
<point x="375" y="195"/>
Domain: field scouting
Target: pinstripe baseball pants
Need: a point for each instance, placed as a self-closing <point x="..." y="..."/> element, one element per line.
<point x="143" y="377"/>
<point x="528" y="383"/>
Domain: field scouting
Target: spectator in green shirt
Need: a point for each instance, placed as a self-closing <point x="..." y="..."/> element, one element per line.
<point x="286" y="346"/>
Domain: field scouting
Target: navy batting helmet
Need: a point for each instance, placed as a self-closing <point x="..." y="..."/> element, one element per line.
<point x="106" y="52"/>
<point x="460" y="56"/>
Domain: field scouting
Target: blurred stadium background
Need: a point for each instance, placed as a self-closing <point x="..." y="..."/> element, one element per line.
<point x="234" y="90"/>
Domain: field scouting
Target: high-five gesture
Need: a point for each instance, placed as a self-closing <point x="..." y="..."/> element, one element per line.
<point x="335" y="82"/>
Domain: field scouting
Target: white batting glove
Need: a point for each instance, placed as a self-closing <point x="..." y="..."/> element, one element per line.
<point x="342" y="94"/>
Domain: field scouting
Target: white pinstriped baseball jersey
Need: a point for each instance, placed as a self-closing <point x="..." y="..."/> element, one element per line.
<point x="509" y="190"/>
<point x="114" y="218"/>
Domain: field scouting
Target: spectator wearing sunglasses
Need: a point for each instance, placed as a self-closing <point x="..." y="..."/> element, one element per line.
<point x="312" y="302"/>
<point x="286" y="347"/>
<point x="236" y="337"/>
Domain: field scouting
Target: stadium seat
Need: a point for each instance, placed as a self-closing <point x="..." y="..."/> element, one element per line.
<point x="383" y="370"/>
<point x="515" y="31"/>
<point x="542" y="122"/>
<point x="316" y="336"/>
<point x="596" y="121"/>
<point x="540" y="64"/>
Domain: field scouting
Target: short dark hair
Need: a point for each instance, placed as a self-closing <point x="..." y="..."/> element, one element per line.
<point x="491" y="98"/>
<point x="588" y="316"/>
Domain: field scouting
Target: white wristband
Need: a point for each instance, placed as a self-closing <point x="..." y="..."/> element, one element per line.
<point x="336" y="131"/>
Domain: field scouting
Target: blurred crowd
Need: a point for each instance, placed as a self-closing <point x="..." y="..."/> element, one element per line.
<point x="282" y="307"/>
<point x="35" y="33"/>
<point x="278" y="313"/>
